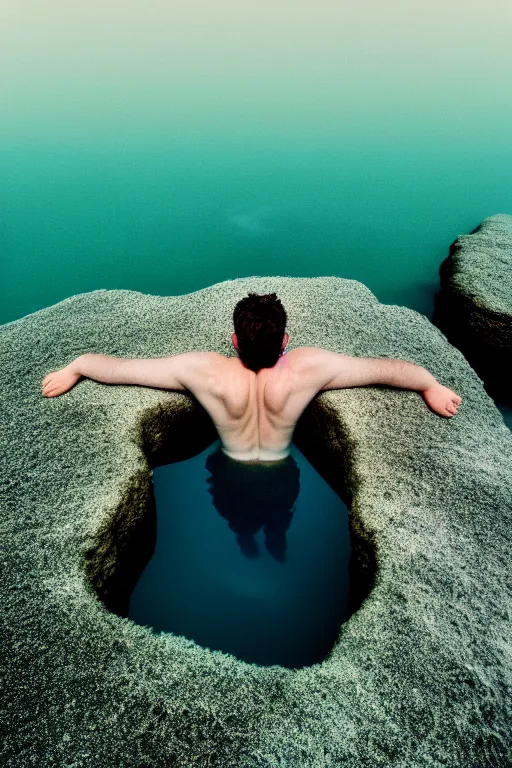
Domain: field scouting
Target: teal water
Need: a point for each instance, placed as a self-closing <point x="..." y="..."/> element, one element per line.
<point x="250" y="560"/>
<point x="162" y="149"/>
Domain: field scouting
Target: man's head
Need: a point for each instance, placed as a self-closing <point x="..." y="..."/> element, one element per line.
<point x="259" y="336"/>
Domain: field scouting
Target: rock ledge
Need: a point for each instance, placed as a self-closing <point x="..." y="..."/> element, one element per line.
<point x="474" y="304"/>
<point x="419" y="676"/>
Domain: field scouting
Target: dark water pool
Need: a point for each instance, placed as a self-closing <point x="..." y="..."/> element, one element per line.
<point x="249" y="559"/>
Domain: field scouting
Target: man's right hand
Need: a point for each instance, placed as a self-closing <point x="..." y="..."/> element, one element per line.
<point x="442" y="400"/>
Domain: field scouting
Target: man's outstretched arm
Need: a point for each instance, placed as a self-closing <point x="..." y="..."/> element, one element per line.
<point x="330" y="370"/>
<point x="179" y="372"/>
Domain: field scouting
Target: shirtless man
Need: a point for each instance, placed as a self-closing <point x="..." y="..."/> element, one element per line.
<point x="256" y="398"/>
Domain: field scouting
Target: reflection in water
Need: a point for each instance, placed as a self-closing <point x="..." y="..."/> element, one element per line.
<point x="261" y="573"/>
<point x="252" y="496"/>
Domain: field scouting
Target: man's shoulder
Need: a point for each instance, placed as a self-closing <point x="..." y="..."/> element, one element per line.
<point x="301" y="357"/>
<point x="206" y="358"/>
<point x="220" y="368"/>
<point x="200" y="369"/>
<point x="315" y="367"/>
<point x="219" y="361"/>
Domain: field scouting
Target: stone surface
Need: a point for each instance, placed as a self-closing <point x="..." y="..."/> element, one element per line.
<point x="420" y="674"/>
<point x="474" y="304"/>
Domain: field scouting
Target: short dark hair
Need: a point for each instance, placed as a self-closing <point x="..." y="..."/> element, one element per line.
<point x="260" y="322"/>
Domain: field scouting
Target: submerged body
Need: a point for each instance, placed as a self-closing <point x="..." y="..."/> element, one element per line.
<point x="255" y="413"/>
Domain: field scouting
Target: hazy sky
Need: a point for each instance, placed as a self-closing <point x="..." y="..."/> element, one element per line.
<point x="86" y="64"/>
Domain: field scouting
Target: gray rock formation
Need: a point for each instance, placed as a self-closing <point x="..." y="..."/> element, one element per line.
<point x="474" y="304"/>
<point x="420" y="674"/>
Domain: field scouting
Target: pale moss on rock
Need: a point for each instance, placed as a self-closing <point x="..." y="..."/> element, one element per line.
<point x="474" y="303"/>
<point x="419" y="676"/>
<point x="482" y="264"/>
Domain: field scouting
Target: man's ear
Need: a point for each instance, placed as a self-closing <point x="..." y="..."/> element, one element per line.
<point x="235" y="341"/>
<point x="286" y="339"/>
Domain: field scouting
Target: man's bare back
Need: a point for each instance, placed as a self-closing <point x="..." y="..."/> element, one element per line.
<point x="255" y="413"/>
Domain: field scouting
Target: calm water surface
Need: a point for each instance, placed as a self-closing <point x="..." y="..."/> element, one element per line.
<point x="163" y="148"/>
<point x="249" y="559"/>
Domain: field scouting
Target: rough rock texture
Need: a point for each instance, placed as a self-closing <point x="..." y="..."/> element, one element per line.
<point x="419" y="676"/>
<point x="474" y="304"/>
